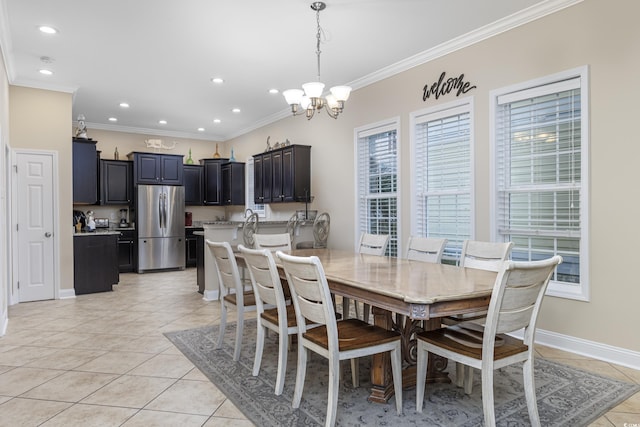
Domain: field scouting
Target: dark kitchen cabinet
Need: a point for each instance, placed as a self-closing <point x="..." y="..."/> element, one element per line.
<point x="212" y="180"/>
<point x="85" y="171"/>
<point x="191" y="246"/>
<point x="200" y="262"/>
<point x="126" y="251"/>
<point x="233" y="183"/>
<point x="193" y="179"/>
<point x="262" y="176"/>
<point x="95" y="263"/>
<point x="149" y="168"/>
<point x="116" y="182"/>
<point x="283" y="175"/>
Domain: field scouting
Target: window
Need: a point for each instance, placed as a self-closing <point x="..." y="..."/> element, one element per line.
<point x="377" y="182"/>
<point x="442" y="204"/>
<point x="541" y="175"/>
<point x="249" y="197"/>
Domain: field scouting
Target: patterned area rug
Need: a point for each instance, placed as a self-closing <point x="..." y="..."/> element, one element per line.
<point x="566" y="396"/>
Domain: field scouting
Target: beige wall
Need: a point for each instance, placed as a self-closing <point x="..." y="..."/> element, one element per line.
<point x="39" y="120"/>
<point x="603" y="35"/>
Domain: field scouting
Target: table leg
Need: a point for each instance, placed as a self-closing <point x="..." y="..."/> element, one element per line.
<point x="381" y="376"/>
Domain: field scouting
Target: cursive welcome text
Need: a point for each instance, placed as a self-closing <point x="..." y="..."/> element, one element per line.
<point x="443" y="87"/>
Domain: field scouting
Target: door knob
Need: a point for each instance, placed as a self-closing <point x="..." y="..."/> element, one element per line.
<point x="47" y="234"/>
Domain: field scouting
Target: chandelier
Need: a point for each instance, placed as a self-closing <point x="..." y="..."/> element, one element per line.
<point x="311" y="99"/>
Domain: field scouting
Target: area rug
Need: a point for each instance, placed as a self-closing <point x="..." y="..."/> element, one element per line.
<point x="566" y="396"/>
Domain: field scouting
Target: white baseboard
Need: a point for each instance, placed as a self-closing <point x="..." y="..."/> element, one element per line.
<point x="66" y="293"/>
<point x="211" y="295"/>
<point x="591" y="349"/>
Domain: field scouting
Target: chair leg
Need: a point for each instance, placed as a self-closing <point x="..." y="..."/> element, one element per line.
<point x="334" y="385"/>
<point x="223" y="324"/>
<point x="300" y="374"/>
<point x="468" y="379"/>
<point x="345" y="307"/>
<point x="421" y="375"/>
<point x="366" y="309"/>
<point x="487" y="397"/>
<point x="239" y="331"/>
<point x="283" y="340"/>
<point x="460" y="374"/>
<point x="530" y="392"/>
<point x="396" y="369"/>
<point x="355" y="373"/>
<point x="257" y="360"/>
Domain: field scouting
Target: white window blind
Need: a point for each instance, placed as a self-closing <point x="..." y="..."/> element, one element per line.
<point x="442" y="176"/>
<point x="539" y="182"/>
<point x="377" y="182"/>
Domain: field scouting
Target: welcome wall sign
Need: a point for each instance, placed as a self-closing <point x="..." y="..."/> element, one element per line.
<point x="443" y="87"/>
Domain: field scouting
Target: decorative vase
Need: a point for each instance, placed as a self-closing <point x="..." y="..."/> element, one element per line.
<point x="216" y="155"/>
<point x="189" y="160"/>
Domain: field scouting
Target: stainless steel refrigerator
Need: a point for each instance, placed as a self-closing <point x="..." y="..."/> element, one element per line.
<point x="160" y="225"/>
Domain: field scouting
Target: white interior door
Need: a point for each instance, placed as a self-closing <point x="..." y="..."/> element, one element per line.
<point x="35" y="225"/>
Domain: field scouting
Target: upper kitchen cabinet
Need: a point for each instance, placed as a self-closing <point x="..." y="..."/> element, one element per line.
<point x="192" y="177"/>
<point x="283" y="175"/>
<point x="85" y="171"/>
<point x="150" y="168"/>
<point x="233" y="183"/>
<point x="212" y="179"/>
<point x="262" y="176"/>
<point x="116" y="182"/>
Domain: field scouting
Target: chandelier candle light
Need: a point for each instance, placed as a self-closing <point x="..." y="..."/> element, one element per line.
<point x="310" y="99"/>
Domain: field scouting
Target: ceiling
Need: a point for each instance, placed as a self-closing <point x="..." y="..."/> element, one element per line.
<point x="160" y="56"/>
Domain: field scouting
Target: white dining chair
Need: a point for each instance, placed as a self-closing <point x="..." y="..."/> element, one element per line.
<point x="273" y="242"/>
<point x="370" y="244"/>
<point x="232" y="292"/>
<point x="515" y="303"/>
<point x="483" y="256"/>
<point x="426" y="249"/>
<point x="334" y="340"/>
<point x="272" y="311"/>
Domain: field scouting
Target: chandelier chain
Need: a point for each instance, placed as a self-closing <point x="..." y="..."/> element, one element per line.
<point x="318" y="40"/>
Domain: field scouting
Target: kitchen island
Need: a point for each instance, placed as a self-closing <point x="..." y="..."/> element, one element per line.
<point x="231" y="231"/>
<point x="95" y="261"/>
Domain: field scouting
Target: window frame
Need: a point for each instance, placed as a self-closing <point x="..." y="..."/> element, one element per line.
<point x="443" y="110"/>
<point x="577" y="291"/>
<point x="392" y="124"/>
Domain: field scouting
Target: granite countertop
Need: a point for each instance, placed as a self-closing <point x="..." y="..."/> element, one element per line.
<point x="240" y="223"/>
<point x="105" y="232"/>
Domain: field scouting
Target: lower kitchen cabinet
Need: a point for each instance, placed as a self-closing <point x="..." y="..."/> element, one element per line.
<point x="191" y="246"/>
<point x="127" y="251"/>
<point x="95" y="263"/>
<point x="200" y="262"/>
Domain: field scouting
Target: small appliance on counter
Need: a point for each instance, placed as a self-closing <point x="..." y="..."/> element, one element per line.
<point x="124" y="223"/>
<point x="102" y="222"/>
<point x="188" y="219"/>
<point x="91" y="223"/>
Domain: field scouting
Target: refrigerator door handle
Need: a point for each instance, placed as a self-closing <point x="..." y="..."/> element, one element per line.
<point x="160" y="217"/>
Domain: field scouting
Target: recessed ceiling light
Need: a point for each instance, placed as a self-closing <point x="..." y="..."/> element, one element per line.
<point x="200" y="129"/>
<point x="113" y="119"/>
<point x="46" y="72"/>
<point x="124" y="105"/>
<point x="217" y="80"/>
<point x="162" y="122"/>
<point x="217" y="121"/>
<point x="236" y="110"/>
<point x="273" y="91"/>
<point x="48" y="30"/>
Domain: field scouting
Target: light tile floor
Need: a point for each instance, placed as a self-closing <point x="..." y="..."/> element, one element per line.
<point x="102" y="360"/>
